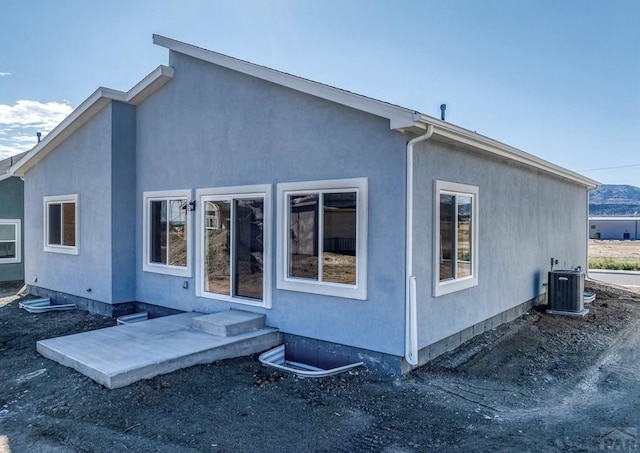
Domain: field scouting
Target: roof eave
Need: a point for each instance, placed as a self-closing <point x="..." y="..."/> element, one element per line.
<point x="399" y="117"/>
<point x="87" y="110"/>
<point x="452" y="133"/>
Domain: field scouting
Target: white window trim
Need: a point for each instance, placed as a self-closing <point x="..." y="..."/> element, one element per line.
<point x="158" y="268"/>
<point x="459" y="284"/>
<point x="69" y="250"/>
<point x="238" y="192"/>
<point x="357" y="291"/>
<point x="17" y="223"/>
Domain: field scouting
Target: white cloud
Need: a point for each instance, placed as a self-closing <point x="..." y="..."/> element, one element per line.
<point x="20" y="122"/>
<point x="5" y="74"/>
<point x="33" y="113"/>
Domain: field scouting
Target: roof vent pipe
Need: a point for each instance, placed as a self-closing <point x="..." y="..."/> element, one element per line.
<point x="443" y="107"/>
<point x="39" y="134"/>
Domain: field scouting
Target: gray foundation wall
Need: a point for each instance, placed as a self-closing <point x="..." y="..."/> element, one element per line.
<point x="84" y="303"/>
<point x="453" y="341"/>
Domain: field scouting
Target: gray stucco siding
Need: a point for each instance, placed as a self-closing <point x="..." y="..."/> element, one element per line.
<point x="79" y="166"/>
<point x="123" y="202"/>
<point x="12" y="207"/>
<point x="525" y="218"/>
<point x="211" y="127"/>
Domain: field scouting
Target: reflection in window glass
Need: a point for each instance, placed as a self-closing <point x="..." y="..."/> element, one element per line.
<point x="334" y="236"/>
<point x="447" y="236"/>
<point x="7" y="249"/>
<point x="249" y="250"/>
<point x="177" y="236"/>
<point x="464" y="236"/>
<point x="303" y="242"/>
<point x="61" y="228"/>
<point x="234" y="247"/>
<point x="7" y="232"/>
<point x="217" y="259"/>
<point x="55" y="224"/>
<point x="69" y="224"/>
<point x="339" y="238"/>
<point x="168" y="232"/>
<point x="8" y="239"/>
<point x="158" y="249"/>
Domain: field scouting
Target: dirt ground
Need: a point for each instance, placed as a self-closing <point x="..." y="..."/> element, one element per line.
<point x="539" y="384"/>
<point x="616" y="250"/>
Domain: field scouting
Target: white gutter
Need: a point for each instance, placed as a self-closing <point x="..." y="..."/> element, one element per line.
<point x="411" y="329"/>
<point x="586" y="271"/>
<point x="450" y="132"/>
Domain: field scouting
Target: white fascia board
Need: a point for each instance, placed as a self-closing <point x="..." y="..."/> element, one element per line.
<point x="5" y="176"/>
<point x="150" y="84"/>
<point x="480" y="142"/>
<point x="87" y="110"/>
<point x="399" y="117"/>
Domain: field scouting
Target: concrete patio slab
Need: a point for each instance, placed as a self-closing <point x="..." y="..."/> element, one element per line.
<point x="118" y="356"/>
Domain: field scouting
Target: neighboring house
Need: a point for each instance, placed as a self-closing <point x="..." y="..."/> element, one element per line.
<point x="357" y="226"/>
<point x="614" y="227"/>
<point x="11" y="217"/>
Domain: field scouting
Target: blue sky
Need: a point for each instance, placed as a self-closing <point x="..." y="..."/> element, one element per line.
<point x="558" y="79"/>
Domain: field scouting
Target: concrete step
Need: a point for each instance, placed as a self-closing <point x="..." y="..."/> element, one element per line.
<point x="118" y="356"/>
<point x="229" y="323"/>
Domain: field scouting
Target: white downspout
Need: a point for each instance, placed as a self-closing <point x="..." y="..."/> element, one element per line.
<point x="411" y="329"/>
<point x="586" y="271"/>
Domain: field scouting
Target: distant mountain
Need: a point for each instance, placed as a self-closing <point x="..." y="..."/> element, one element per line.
<point x="612" y="199"/>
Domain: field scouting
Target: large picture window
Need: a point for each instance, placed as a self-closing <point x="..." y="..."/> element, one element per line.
<point x="166" y="233"/>
<point x="10" y="232"/>
<point x="323" y="229"/>
<point x="234" y="244"/>
<point x="456" y="219"/>
<point x="61" y="224"/>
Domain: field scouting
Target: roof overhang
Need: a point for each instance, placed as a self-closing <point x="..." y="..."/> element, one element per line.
<point x="450" y="133"/>
<point x="401" y="119"/>
<point x="87" y="110"/>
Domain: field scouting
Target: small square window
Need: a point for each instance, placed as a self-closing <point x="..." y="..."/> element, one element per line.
<point x="323" y="232"/>
<point x="456" y="239"/>
<point x="61" y="224"/>
<point x="166" y="237"/>
<point x="10" y="242"/>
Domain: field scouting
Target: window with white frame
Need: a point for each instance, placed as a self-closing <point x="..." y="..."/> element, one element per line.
<point x="10" y="243"/>
<point x="166" y="238"/>
<point x="456" y="238"/>
<point x="61" y="224"/>
<point x="322" y="226"/>
<point x="234" y="244"/>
